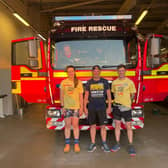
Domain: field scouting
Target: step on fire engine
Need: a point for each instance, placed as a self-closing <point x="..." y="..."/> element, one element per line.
<point x="84" y="41"/>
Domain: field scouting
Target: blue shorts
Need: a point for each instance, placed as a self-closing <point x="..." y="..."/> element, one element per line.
<point x="97" y="115"/>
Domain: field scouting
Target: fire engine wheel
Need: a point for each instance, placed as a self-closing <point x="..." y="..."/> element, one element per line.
<point x="166" y="100"/>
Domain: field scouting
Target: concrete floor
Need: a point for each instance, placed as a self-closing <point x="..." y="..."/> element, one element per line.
<point x="27" y="143"/>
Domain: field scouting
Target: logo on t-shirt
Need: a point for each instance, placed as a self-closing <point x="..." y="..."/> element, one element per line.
<point x="97" y="90"/>
<point x="70" y="90"/>
<point x="120" y="88"/>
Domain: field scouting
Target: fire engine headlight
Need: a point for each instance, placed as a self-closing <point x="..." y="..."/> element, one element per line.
<point x="137" y="113"/>
<point x="54" y="113"/>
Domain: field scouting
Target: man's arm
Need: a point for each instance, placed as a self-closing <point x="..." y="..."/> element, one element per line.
<point x="109" y="101"/>
<point x="113" y="91"/>
<point x="86" y="102"/>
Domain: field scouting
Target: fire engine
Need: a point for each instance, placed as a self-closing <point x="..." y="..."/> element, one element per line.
<point x="84" y="41"/>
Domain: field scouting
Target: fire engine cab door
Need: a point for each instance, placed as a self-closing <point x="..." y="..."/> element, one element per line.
<point x="29" y="76"/>
<point x="155" y="76"/>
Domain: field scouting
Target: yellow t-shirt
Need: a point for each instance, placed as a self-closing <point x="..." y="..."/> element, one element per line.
<point x="122" y="89"/>
<point x="71" y="94"/>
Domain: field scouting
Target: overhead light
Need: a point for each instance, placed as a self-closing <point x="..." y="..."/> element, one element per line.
<point x="163" y="49"/>
<point x="144" y="13"/>
<point x="41" y="37"/>
<point x="53" y="46"/>
<point x="21" y="19"/>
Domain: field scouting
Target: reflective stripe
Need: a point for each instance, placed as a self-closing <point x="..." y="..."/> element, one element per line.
<point x="27" y="78"/>
<point x="85" y="128"/>
<point x="50" y="121"/>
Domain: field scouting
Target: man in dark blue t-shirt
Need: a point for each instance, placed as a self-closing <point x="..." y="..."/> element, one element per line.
<point x="96" y="91"/>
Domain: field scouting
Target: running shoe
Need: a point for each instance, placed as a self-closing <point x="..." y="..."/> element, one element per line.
<point x="131" y="150"/>
<point x="67" y="148"/>
<point x="76" y="148"/>
<point x="115" y="148"/>
<point x="105" y="147"/>
<point x="92" y="147"/>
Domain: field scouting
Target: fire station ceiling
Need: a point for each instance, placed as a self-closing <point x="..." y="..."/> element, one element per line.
<point x="156" y="19"/>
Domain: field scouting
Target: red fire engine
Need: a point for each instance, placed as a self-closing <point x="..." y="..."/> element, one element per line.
<point x="84" y="41"/>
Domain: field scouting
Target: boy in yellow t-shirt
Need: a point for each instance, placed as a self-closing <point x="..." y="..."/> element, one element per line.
<point x="124" y="92"/>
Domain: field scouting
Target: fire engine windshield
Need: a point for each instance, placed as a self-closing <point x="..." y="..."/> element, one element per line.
<point x="88" y="53"/>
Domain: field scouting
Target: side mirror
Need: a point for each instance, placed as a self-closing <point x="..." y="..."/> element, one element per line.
<point x="155" y="46"/>
<point x="33" y="63"/>
<point x="32" y="45"/>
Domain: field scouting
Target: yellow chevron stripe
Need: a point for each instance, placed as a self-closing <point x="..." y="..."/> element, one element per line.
<point x="57" y="101"/>
<point x="18" y="87"/>
<point x="162" y="68"/>
<point x="156" y="77"/>
<point x="25" y="70"/>
<point x="89" y="74"/>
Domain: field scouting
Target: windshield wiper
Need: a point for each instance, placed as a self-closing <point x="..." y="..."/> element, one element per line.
<point x="127" y="65"/>
<point x="103" y="66"/>
<point x="89" y="66"/>
<point x="82" y="66"/>
<point x="109" y="66"/>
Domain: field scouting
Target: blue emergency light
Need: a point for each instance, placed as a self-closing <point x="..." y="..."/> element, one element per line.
<point x="82" y="18"/>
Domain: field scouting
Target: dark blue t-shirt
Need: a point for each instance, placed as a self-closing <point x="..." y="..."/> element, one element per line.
<point x="97" y="91"/>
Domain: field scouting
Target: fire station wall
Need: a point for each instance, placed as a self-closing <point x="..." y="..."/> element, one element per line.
<point x="10" y="28"/>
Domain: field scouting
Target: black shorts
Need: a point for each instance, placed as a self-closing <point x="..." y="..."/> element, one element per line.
<point x="117" y="114"/>
<point x="97" y="115"/>
<point x="71" y="113"/>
